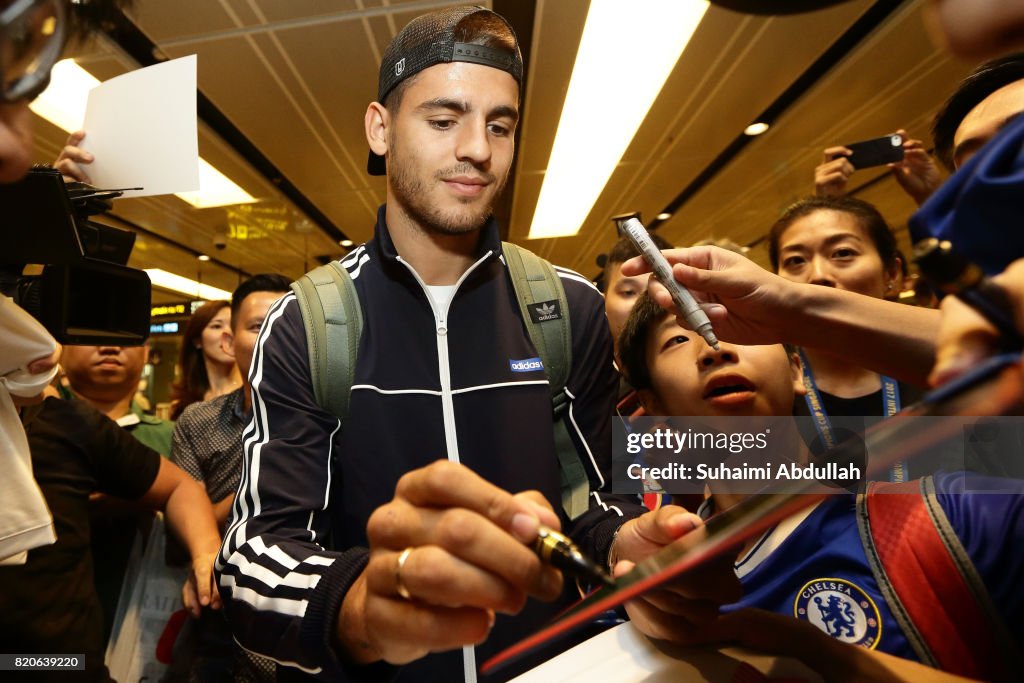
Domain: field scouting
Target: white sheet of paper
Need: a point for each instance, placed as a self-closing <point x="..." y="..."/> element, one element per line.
<point x="623" y="655"/>
<point x="141" y="127"/>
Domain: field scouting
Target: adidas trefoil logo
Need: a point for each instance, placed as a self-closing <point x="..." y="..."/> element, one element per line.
<point x="545" y="310"/>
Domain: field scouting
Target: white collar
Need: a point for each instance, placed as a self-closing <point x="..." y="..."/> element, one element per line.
<point x="128" y="420"/>
<point x="771" y="540"/>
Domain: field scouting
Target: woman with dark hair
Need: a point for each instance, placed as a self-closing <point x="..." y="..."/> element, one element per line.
<point x="844" y="243"/>
<point x="206" y="370"/>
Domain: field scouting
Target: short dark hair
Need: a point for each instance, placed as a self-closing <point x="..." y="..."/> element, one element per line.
<point x="869" y="218"/>
<point x="623" y="251"/>
<point x="393" y="100"/>
<point x="633" y="340"/>
<point x="979" y="84"/>
<point x="264" y="282"/>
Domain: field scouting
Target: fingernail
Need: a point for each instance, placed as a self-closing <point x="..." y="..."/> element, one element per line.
<point x="688" y="521"/>
<point x="542" y="512"/>
<point x="524" y="527"/>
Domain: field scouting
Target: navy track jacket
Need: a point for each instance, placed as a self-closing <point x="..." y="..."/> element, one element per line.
<point x="428" y="385"/>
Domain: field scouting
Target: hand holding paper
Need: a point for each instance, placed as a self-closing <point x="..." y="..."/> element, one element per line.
<point x="680" y="609"/>
<point x="142" y="130"/>
<point x="72" y="158"/>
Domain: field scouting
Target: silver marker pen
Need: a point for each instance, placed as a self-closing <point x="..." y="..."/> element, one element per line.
<point x="686" y="305"/>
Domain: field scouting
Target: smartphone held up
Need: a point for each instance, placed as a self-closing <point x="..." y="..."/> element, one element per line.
<point x="887" y="149"/>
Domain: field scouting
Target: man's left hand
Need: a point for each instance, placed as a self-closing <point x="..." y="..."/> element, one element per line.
<point x="678" y="610"/>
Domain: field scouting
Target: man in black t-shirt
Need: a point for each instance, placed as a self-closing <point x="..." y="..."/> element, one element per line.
<point x="49" y="605"/>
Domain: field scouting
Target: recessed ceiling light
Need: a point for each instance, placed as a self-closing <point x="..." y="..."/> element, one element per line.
<point x="203" y="257"/>
<point x="663" y="216"/>
<point x="345" y="243"/>
<point x="756" y="128"/>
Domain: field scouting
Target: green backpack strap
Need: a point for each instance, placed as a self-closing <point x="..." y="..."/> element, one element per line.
<point x="334" y="322"/>
<point x="545" y="311"/>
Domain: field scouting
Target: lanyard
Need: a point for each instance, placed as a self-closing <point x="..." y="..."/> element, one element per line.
<point x="890" y="406"/>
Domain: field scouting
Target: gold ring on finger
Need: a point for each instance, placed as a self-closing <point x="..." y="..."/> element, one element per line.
<point x="399" y="584"/>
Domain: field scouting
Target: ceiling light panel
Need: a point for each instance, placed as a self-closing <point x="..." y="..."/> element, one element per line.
<point x="626" y="53"/>
<point x="183" y="285"/>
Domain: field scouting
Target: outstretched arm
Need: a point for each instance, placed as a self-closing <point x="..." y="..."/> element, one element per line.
<point x="190" y="517"/>
<point x="749" y="305"/>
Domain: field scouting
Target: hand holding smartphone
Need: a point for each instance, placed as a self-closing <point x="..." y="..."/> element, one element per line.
<point x="887" y="149"/>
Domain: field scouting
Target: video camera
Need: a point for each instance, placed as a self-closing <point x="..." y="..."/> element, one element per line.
<point x="85" y="294"/>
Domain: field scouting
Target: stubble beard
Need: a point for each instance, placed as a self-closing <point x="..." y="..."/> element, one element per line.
<point x="412" y="194"/>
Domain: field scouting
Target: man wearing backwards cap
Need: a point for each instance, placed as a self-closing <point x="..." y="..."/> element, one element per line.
<point x="392" y="539"/>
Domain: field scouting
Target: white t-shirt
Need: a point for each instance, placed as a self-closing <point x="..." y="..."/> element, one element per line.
<point x="441" y="294"/>
<point x="25" y="521"/>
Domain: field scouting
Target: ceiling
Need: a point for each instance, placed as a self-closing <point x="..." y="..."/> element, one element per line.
<point x="286" y="85"/>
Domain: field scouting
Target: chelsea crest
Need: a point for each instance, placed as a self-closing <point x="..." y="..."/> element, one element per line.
<point x="841" y="609"/>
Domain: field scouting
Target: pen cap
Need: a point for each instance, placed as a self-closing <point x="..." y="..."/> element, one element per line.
<point x="622" y="221"/>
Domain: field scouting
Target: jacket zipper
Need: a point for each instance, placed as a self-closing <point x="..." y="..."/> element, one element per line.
<point x="444" y="369"/>
<point x="448" y="405"/>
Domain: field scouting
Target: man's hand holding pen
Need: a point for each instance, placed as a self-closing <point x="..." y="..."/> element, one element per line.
<point x="446" y="553"/>
<point x="745" y="303"/>
<point x="681" y="609"/>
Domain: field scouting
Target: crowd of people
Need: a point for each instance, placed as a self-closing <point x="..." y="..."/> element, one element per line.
<point x="358" y="464"/>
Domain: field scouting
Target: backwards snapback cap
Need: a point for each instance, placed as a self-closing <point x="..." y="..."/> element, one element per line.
<point x="429" y="40"/>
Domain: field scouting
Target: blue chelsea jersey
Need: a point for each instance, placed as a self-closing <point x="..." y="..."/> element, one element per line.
<point x="813" y="567"/>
